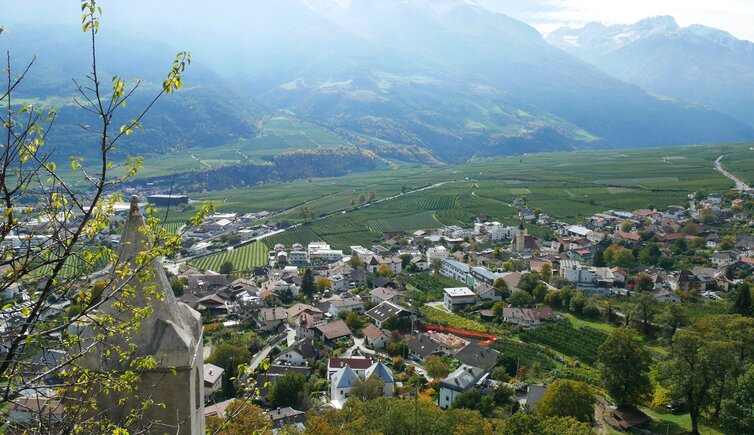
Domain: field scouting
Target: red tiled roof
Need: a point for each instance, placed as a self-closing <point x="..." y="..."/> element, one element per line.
<point x="628" y="236"/>
<point x="354" y="363"/>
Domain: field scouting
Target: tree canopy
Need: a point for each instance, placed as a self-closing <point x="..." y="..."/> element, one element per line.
<point x="566" y="398"/>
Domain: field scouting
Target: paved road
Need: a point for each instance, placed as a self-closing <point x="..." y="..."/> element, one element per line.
<point x="740" y="185"/>
<point x="358" y="343"/>
<point x="262" y="354"/>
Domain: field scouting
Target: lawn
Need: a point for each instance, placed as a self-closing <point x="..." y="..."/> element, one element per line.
<point x="580" y="322"/>
<point x="675" y="424"/>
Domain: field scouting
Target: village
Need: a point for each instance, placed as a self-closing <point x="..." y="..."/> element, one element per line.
<point x="418" y="311"/>
<point x="430" y="312"/>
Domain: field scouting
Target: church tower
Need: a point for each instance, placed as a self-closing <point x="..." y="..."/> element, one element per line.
<point x="521" y="238"/>
<point x="171" y="334"/>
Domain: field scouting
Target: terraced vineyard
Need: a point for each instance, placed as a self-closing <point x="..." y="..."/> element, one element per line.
<point x="566" y="186"/>
<point x="73" y="267"/>
<point x="526" y="354"/>
<point x="243" y="258"/>
<point x="418" y="221"/>
<point x="580" y="343"/>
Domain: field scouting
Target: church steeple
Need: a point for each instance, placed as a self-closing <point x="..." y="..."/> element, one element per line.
<point x="171" y="334"/>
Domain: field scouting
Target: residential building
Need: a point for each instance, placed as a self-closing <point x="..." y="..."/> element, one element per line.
<point x="332" y="331"/>
<point x="285" y="417"/>
<point x="379" y="370"/>
<point x="343" y="380"/>
<point x="376" y="337"/>
<point x="338" y="306"/>
<point x="527" y="316"/>
<point x="299" y="353"/>
<point x="667" y="297"/>
<point x="454" y="269"/>
<point x="358" y="365"/>
<point x="461" y="380"/>
<point x="295" y="311"/>
<point x="213" y="376"/>
<point x="458" y="297"/>
<point x="322" y="251"/>
<point x="384" y="294"/>
<point x="385" y="311"/>
<point x="436" y="253"/>
<point x="270" y="318"/>
<point x="474" y="355"/>
<point x="422" y="346"/>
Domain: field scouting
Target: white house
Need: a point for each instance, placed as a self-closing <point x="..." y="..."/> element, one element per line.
<point x="527" y="316"/>
<point x="344" y="379"/>
<point x="338" y="306"/>
<point x="454" y="269"/>
<point x="436" y="253"/>
<point x="298" y="354"/>
<point x="376" y="336"/>
<point x="667" y="297"/>
<point x="341" y="384"/>
<point x="213" y="376"/>
<point x="386" y="376"/>
<point x="462" y="379"/>
<point x="458" y="297"/>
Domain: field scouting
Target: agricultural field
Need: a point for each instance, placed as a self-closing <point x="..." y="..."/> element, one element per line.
<point x="567" y="186"/>
<point x="278" y="135"/>
<point x="561" y="336"/>
<point x="431" y="286"/>
<point x="525" y="354"/>
<point x="441" y="317"/>
<point x="244" y="258"/>
<point x="73" y="267"/>
<point x="414" y="222"/>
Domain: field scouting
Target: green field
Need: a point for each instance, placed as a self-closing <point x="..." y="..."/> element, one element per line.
<point x="278" y="135"/>
<point x="243" y="258"/>
<point x="568" y="186"/>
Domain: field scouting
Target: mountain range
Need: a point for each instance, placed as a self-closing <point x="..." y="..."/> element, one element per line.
<point x="695" y="63"/>
<point x="448" y="77"/>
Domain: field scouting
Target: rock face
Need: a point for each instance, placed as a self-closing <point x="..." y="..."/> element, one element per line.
<point x="171" y="334"/>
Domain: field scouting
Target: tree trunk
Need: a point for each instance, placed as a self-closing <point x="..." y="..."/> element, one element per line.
<point x="694" y="422"/>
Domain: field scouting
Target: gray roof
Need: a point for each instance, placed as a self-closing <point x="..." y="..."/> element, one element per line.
<point x="423" y="345"/>
<point x="533" y="395"/>
<point x="344" y="377"/>
<point x="463" y="378"/>
<point x="384" y="311"/>
<point x="304" y="347"/>
<point x="381" y="371"/>
<point x="477" y="356"/>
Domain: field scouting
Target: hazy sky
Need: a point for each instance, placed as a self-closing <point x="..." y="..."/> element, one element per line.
<point x="734" y="16"/>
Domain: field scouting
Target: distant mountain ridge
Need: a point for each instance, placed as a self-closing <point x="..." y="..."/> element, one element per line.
<point x="448" y="80"/>
<point x="696" y="63"/>
<point x="455" y="78"/>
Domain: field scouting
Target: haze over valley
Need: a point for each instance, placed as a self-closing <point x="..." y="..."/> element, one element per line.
<point x="420" y="82"/>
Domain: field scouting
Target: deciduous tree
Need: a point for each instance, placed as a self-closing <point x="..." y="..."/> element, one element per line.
<point x="624" y="368"/>
<point x="368" y="389"/>
<point x="436" y="366"/>
<point x="288" y="390"/>
<point x="566" y="398"/>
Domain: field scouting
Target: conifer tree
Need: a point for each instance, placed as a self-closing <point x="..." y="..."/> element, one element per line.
<point x="742" y="305"/>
